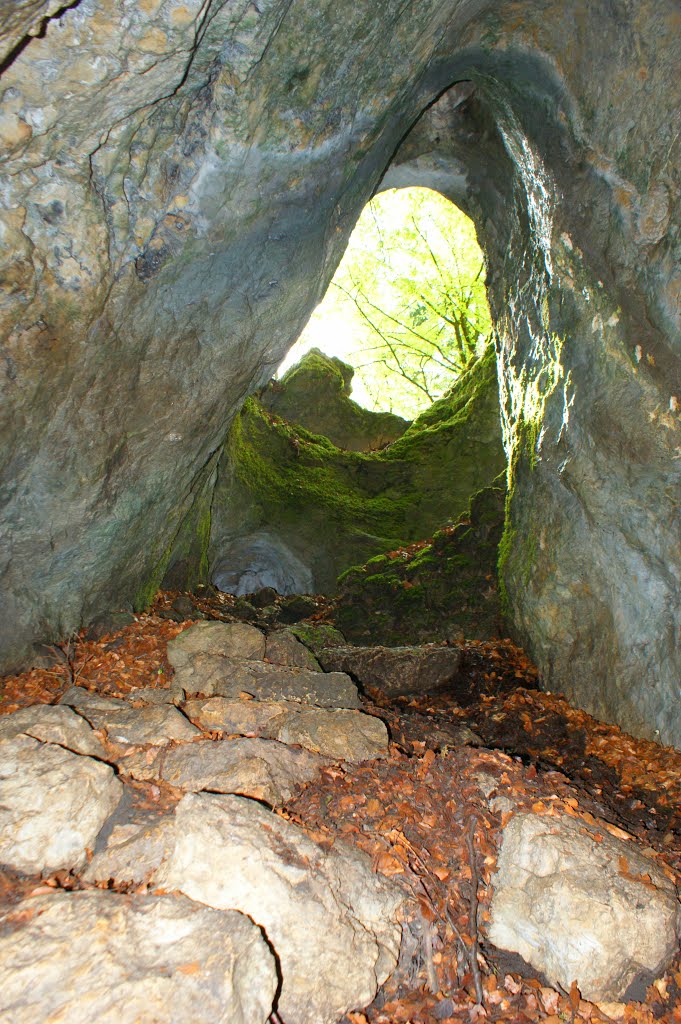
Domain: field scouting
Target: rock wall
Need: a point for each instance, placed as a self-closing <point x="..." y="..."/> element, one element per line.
<point x="316" y="394"/>
<point x="288" y="500"/>
<point x="179" y="180"/>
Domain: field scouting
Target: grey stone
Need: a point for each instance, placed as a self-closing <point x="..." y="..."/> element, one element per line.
<point x="250" y="563"/>
<point x="133" y="852"/>
<point x="155" y="695"/>
<point x="580" y="904"/>
<point x="396" y="670"/>
<point x="53" y="724"/>
<point x="259" y="768"/>
<point x="335" y="733"/>
<point x="332" y="923"/>
<point x="234" y="640"/>
<point x="53" y="805"/>
<point x="341" y="735"/>
<point x="79" y="697"/>
<point x="213" y="676"/>
<point x="138" y="726"/>
<point x="237" y="716"/>
<point x="283" y="648"/>
<point x="98" y="956"/>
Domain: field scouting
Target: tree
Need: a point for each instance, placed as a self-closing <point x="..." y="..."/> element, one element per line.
<point x="411" y="289"/>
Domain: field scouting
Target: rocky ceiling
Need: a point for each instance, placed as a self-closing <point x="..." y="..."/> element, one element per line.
<point x="179" y="181"/>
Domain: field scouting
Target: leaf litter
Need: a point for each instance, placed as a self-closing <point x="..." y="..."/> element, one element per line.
<point x="430" y="814"/>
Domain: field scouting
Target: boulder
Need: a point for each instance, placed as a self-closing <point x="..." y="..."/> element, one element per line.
<point x="331" y="922"/>
<point x="395" y="670"/>
<point x="53" y="805"/>
<point x="235" y="640"/>
<point x="52" y="724"/>
<point x="132" y="852"/>
<point x="237" y="717"/>
<point x="98" y="956"/>
<point x="339" y="734"/>
<point x="283" y="648"/>
<point x="259" y="768"/>
<point x="215" y="676"/>
<point x="139" y="726"/>
<point x="316" y="394"/>
<point x="580" y="904"/>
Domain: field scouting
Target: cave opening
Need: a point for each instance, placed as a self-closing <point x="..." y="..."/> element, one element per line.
<point x="358" y="801"/>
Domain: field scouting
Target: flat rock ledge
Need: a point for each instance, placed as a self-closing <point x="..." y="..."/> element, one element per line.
<point x="227" y="659"/>
<point x="98" y="956"/>
<point x="332" y="922"/>
<point x="558" y="878"/>
<point x="395" y="671"/>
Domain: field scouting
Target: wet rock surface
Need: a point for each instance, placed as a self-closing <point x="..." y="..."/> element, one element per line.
<point x="100" y="956"/>
<point x="333" y="924"/>
<point x="556" y="879"/>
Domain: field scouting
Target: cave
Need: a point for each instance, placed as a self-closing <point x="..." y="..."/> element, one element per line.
<point x="180" y="179"/>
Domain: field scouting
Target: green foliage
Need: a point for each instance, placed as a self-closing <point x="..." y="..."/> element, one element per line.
<point x="411" y="292"/>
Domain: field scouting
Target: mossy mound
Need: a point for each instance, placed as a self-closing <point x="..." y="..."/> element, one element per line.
<point x="434" y="590"/>
<point x="315" y="394"/>
<point x="334" y="508"/>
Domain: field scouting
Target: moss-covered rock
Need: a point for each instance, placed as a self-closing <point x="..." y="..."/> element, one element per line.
<point x="434" y="590"/>
<point x="332" y="508"/>
<point x="315" y="394"/>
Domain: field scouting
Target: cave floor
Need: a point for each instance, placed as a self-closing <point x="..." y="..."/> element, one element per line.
<point x="430" y="814"/>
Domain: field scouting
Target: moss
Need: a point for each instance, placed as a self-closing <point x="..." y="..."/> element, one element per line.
<point x="445" y="586"/>
<point x="183" y="563"/>
<point x="339" y="508"/>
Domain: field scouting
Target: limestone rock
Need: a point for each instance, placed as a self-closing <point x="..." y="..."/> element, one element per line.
<point x="259" y="768"/>
<point x="336" y="733"/>
<point x="233" y="640"/>
<point x="316" y="394"/>
<point x="133" y="852"/>
<point x="52" y="804"/>
<point x="396" y="670"/>
<point x="237" y="717"/>
<point x="283" y="648"/>
<point x="52" y="724"/>
<point x="155" y="695"/>
<point x="139" y="726"/>
<point x="579" y="907"/>
<point x="215" y="676"/>
<point x="79" y="697"/>
<point x="331" y="922"/>
<point x="341" y="735"/>
<point x="98" y="956"/>
<point x="176" y="192"/>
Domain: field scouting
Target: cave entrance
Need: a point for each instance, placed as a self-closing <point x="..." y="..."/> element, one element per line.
<point x="320" y="478"/>
<point x="407" y="306"/>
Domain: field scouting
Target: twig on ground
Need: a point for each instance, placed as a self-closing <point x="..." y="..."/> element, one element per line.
<point x="473" y="916"/>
